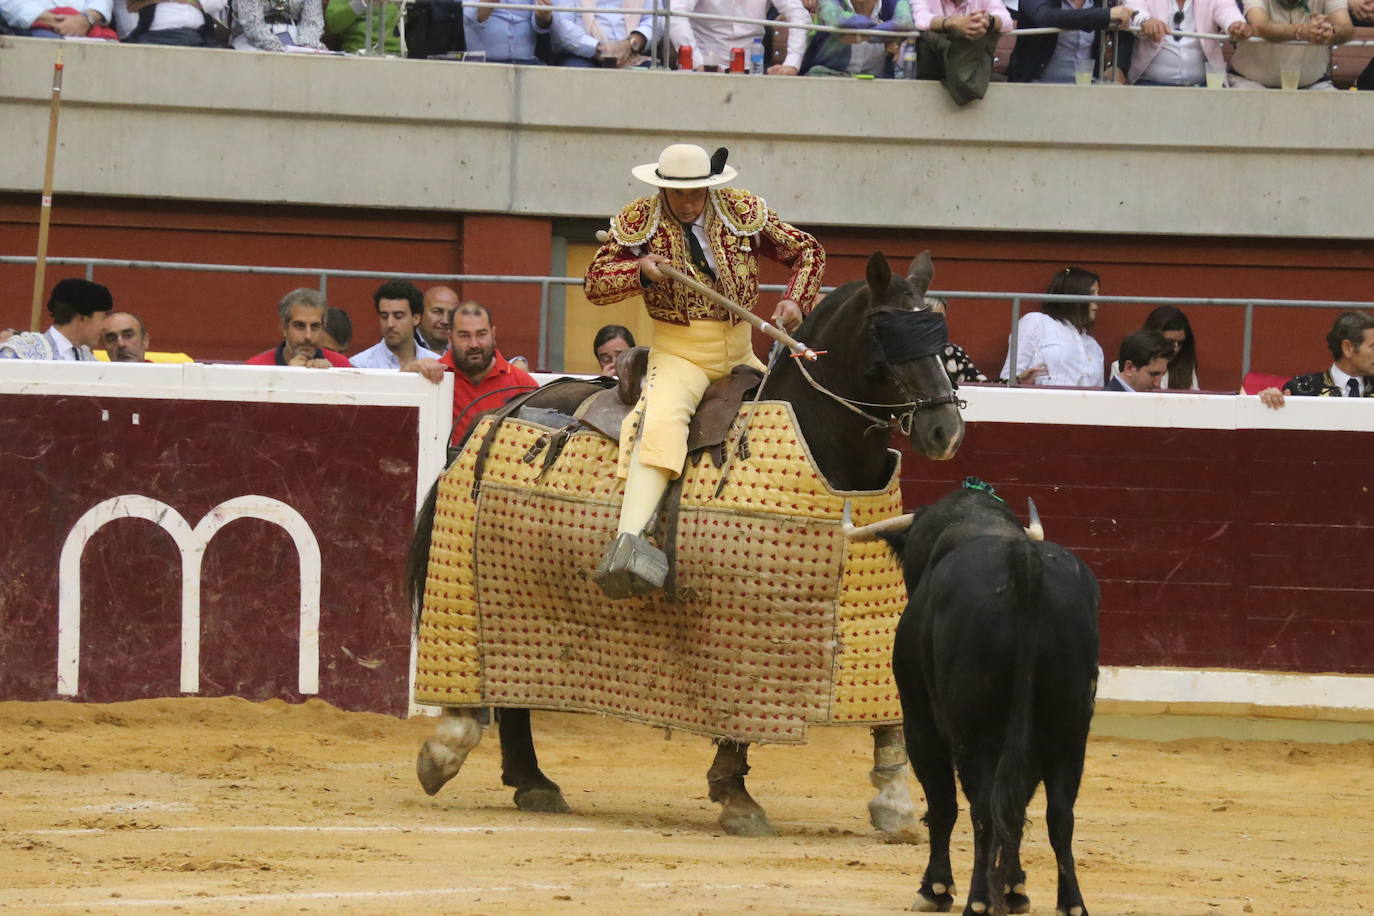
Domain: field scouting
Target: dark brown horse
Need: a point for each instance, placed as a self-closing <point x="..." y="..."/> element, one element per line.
<point x="883" y="369"/>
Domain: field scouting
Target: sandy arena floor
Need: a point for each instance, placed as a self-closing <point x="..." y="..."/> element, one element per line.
<point x="211" y="806"/>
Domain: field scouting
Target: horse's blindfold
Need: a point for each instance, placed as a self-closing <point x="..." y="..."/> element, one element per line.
<point x="900" y="337"/>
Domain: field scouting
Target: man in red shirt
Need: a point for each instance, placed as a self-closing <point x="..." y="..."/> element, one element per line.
<point x="482" y="379"/>
<point x="302" y="321"/>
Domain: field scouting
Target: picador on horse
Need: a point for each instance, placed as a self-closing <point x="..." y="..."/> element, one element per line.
<point x="671" y="550"/>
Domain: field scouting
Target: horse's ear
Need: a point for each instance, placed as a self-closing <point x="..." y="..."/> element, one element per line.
<point x="879" y="273"/>
<point x="921" y="273"/>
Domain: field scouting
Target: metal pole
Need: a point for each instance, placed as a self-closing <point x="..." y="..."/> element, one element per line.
<point x="1249" y="331"/>
<point x="324" y="284"/>
<point x="90" y="271"/>
<point x="45" y="209"/>
<point x="1012" y="381"/>
<point x="543" y="323"/>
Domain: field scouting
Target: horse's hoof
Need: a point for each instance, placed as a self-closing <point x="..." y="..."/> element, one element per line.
<point x="436" y="765"/>
<point x="542" y="800"/>
<point x="931" y="900"/>
<point x="753" y="823"/>
<point x="896" y="825"/>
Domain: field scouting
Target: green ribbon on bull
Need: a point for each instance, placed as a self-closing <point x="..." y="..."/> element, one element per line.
<point x="973" y="483"/>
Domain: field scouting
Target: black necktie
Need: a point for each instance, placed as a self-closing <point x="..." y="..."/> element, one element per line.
<point x="699" y="261"/>
<point x="1352" y="387"/>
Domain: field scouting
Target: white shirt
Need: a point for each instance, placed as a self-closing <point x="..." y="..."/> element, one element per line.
<point x="1181" y="62"/>
<point x="65" y="348"/>
<point x="1343" y="382"/>
<point x="379" y="356"/>
<point x="711" y="40"/>
<point x="170" y="14"/>
<point x="1071" y="357"/>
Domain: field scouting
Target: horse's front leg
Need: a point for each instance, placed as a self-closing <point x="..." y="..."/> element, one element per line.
<point x="891" y="810"/>
<point x="520" y="767"/>
<point x="740" y="815"/>
<point x="442" y="755"/>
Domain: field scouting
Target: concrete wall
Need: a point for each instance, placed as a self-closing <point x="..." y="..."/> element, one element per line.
<point x="190" y="124"/>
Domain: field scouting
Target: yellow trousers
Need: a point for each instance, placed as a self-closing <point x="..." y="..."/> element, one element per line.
<point x="683" y="361"/>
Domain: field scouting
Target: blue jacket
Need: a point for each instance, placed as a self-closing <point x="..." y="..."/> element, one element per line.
<point x="1033" y="52"/>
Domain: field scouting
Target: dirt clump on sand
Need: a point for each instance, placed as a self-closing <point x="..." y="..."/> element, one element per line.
<point x="219" y="805"/>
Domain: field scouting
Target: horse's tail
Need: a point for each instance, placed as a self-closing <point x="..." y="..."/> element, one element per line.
<point x="1012" y="780"/>
<point x="417" y="560"/>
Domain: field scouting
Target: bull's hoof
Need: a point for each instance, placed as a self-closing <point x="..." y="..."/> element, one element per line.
<point x="542" y="800"/>
<point x="1078" y="910"/>
<point x="1017" y="901"/>
<point x="934" y="898"/>
<point x="751" y="823"/>
<point x="436" y="765"/>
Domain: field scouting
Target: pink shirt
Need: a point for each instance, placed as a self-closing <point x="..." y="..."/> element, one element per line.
<point x="926" y="10"/>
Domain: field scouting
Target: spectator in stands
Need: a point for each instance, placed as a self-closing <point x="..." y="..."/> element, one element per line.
<point x="337" y="333"/>
<point x="271" y="25"/>
<point x="302" y="319"/>
<point x="1321" y="23"/>
<point x="78" y="309"/>
<point x="1162" y="58"/>
<point x="1170" y="321"/>
<point x="53" y="19"/>
<point x="506" y="36"/>
<point x="125" y="338"/>
<point x="957" y="41"/>
<point x="169" y="22"/>
<point x="711" y="40"/>
<point x="398" y="305"/>
<point x="1362" y="16"/>
<point x="1141" y="362"/>
<point x="1050" y="58"/>
<point x="957" y="363"/>
<point x="609" y="342"/>
<point x="433" y="332"/>
<point x="1054" y="346"/>
<point x="347" y="21"/>
<point x="1351" y="341"/>
<point x="602" y="36"/>
<point x="833" y="54"/>
<point x="482" y="379"/>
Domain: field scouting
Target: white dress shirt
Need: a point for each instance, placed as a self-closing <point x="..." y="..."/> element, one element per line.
<point x="1343" y="382"/>
<point x="170" y="14"/>
<point x="1178" y="62"/>
<point x="379" y="356"/>
<point x="711" y="39"/>
<point x="1070" y="357"/>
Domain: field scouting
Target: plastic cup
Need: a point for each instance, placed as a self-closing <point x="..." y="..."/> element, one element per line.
<point x="1216" y="76"/>
<point x="1288" y="77"/>
<point x="1083" y="72"/>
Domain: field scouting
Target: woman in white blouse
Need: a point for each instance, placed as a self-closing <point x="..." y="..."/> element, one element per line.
<point x="1054" y="346"/>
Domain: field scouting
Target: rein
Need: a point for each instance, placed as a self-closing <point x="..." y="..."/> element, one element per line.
<point x="904" y="412"/>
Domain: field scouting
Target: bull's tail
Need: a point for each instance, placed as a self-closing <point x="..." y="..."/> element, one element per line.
<point x="1012" y="780"/>
<point x="417" y="560"/>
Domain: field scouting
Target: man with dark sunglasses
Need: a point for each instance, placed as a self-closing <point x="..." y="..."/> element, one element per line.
<point x="1168" y="53"/>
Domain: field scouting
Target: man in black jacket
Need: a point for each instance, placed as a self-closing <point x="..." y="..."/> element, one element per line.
<point x="1050" y="58"/>
<point x="1351" y="340"/>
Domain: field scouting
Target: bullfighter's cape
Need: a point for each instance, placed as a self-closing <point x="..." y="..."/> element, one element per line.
<point x="780" y="621"/>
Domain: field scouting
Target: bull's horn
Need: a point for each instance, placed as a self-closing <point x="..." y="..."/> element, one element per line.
<point x="1035" y="531"/>
<point x="871" y="532"/>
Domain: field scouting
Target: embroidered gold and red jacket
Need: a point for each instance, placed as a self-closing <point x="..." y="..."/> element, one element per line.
<point x="739" y="227"/>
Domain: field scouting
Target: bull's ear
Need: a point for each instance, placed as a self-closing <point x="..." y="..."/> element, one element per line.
<point x="879" y="273"/>
<point x="921" y="273"/>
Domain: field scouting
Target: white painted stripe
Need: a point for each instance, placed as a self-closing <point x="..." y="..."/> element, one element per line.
<point x="1182" y="685"/>
<point x="334" y="828"/>
<point x="279" y="898"/>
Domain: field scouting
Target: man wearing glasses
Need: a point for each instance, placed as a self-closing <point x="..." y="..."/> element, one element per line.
<point x="1165" y="55"/>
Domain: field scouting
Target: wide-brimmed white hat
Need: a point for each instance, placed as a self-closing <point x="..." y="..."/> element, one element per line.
<point x="684" y="165"/>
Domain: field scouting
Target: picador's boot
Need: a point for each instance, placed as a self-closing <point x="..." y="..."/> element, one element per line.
<point x="632" y="566"/>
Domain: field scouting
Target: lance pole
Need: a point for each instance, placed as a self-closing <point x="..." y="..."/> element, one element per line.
<point x="45" y="211"/>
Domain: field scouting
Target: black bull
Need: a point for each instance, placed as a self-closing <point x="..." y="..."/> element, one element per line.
<point x="995" y="659"/>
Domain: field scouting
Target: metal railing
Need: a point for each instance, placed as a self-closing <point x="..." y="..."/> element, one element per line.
<point x="546" y="283"/>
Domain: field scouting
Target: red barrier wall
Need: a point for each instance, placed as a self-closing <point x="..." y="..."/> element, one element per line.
<point x="349" y="470"/>
<point x="1214" y="548"/>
